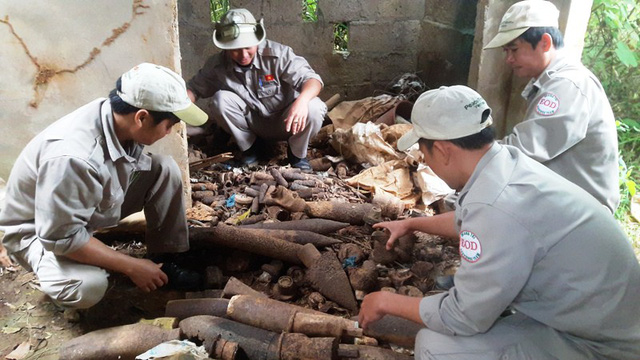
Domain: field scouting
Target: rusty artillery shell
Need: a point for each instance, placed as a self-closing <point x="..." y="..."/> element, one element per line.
<point x="297" y="236"/>
<point x="284" y="289"/>
<point x="278" y="316"/>
<point x="278" y="213"/>
<point x="253" y="218"/>
<point x="320" y="226"/>
<point x="222" y="349"/>
<point x="185" y="308"/>
<point x="293" y="174"/>
<point x="394" y="330"/>
<point x="237" y="287"/>
<point x="278" y="177"/>
<point x="363" y="352"/>
<point x="326" y="275"/>
<point x="259" y="344"/>
<point x="120" y="342"/>
<point x="352" y="213"/>
<point x="238" y="238"/>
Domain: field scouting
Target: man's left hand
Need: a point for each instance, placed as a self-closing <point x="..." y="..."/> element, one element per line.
<point x="297" y="118"/>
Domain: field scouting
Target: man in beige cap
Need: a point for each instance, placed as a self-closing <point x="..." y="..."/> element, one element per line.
<point x="87" y="171"/>
<point x="546" y="272"/>
<point x="260" y="89"/>
<point x="569" y="125"/>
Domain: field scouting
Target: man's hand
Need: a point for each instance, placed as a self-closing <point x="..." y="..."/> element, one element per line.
<point x="5" y="261"/>
<point x="147" y="275"/>
<point x="378" y="304"/>
<point x="371" y="309"/>
<point x="396" y="230"/>
<point x="297" y="118"/>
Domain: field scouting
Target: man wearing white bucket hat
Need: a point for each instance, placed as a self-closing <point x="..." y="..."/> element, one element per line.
<point x="569" y="125"/>
<point x="260" y="89"/>
<point x="87" y="171"/>
<point x="546" y="272"/>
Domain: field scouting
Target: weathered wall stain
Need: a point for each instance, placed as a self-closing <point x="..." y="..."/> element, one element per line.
<point x="45" y="72"/>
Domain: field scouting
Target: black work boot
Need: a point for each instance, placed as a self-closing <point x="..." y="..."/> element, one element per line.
<point x="250" y="156"/>
<point x="296" y="162"/>
<point x="180" y="278"/>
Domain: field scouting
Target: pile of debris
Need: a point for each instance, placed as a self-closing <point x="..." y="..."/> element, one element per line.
<point x="305" y="252"/>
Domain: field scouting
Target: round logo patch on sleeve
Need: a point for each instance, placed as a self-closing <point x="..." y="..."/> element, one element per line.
<point x="548" y="104"/>
<point x="470" y="248"/>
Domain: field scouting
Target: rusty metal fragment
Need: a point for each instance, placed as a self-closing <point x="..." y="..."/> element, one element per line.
<point x="278" y="316"/>
<point x="238" y="238"/>
<point x="184" y="308"/>
<point x="120" y="342"/>
<point x="320" y="226"/>
<point x="363" y="352"/>
<point x="352" y="213"/>
<point x="259" y="344"/>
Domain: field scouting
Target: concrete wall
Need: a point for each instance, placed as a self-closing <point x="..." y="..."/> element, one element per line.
<point x="387" y="38"/>
<point x="493" y="79"/>
<point x="60" y="54"/>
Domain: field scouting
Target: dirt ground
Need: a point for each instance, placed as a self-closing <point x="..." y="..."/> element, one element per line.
<point x="34" y="328"/>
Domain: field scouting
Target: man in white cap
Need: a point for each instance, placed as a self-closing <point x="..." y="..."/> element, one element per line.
<point x="546" y="272"/>
<point x="569" y="125"/>
<point x="87" y="171"/>
<point x="260" y="89"/>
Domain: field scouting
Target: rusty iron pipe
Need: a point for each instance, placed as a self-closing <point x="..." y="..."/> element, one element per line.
<point x="297" y="236"/>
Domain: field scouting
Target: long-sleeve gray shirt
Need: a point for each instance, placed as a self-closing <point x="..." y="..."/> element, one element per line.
<point x="272" y="82"/>
<point x="69" y="181"/>
<point x="534" y="241"/>
<point x="570" y="128"/>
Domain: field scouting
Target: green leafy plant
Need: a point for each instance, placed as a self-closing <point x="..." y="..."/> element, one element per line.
<point x="340" y="37"/>
<point x="310" y="10"/>
<point x="218" y="8"/>
<point x="611" y="52"/>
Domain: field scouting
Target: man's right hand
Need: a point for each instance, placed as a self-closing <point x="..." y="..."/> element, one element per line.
<point x="147" y="275"/>
<point x="5" y="261"/>
<point x="396" y="230"/>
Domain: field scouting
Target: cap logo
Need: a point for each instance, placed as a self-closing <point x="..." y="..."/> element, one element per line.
<point x="470" y="248"/>
<point x="475" y="103"/>
<point x="548" y="104"/>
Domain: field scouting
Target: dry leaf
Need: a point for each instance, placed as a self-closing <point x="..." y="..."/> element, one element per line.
<point x="10" y="329"/>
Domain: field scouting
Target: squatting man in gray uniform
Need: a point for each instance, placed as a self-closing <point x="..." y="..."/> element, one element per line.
<point x="86" y="171"/>
<point x="260" y="88"/>
<point x="569" y="125"/>
<point x="530" y="241"/>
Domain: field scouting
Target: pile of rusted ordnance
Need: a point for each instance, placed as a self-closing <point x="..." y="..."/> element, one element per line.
<point x="325" y="257"/>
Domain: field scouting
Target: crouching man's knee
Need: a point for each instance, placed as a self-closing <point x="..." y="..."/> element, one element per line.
<point x="81" y="292"/>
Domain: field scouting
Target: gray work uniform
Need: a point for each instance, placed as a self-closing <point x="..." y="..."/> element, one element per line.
<point x="74" y="178"/>
<point x="254" y="101"/>
<point x="537" y="243"/>
<point x="570" y="128"/>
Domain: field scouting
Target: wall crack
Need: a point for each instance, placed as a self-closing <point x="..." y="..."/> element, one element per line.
<point x="45" y="73"/>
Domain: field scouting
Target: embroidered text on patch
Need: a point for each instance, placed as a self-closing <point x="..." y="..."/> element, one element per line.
<point x="548" y="104"/>
<point x="470" y="248"/>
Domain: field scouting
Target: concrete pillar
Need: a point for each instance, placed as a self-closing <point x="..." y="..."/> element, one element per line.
<point x="493" y="79"/>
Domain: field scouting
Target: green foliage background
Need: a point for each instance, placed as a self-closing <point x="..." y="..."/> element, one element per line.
<point x="611" y="52"/>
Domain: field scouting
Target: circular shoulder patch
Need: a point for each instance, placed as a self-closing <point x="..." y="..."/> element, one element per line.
<point x="548" y="104"/>
<point x="470" y="248"/>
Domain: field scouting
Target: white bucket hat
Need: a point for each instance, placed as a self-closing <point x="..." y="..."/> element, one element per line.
<point x="447" y="113"/>
<point x="520" y="17"/>
<point x="238" y="29"/>
<point x="157" y="88"/>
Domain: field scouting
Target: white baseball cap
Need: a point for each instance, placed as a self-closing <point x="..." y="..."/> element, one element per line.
<point x="447" y="113"/>
<point x="157" y="88"/>
<point x="238" y="29"/>
<point x="520" y="17"/>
